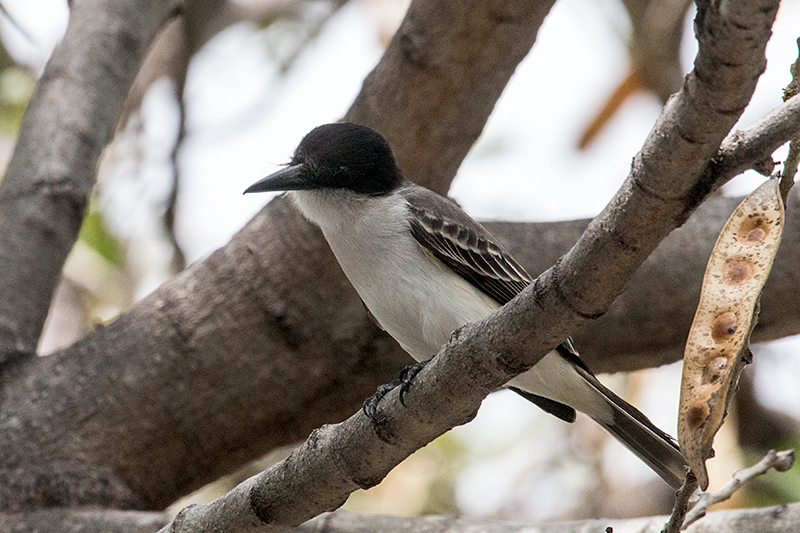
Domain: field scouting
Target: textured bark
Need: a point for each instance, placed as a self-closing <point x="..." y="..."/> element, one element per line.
<point x="245" y="351"/>
<point x="667" y="178"/>
<point x="71" y="118"/>
<point x="357" y="453"/>
<point x="82" y="521"/>
<point x="648" y="324"/>
<point x="437" y="83"/>
<point x="777" y="519"/>
<point x="265" y="340"/>
<point x="161" y="412"/>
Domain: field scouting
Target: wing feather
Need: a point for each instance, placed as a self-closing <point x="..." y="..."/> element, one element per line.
<point x="453" y="237"/>
<point x="462" y="244"/>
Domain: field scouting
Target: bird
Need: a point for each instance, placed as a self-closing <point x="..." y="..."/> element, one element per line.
<point x="424" y="268"/>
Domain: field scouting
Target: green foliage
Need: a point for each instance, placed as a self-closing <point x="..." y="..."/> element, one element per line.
<point x="16" y="88"/>
<point x="95" y="234"/>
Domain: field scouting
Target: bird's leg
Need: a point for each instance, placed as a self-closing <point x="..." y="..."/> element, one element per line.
<point x="407" y="375"/>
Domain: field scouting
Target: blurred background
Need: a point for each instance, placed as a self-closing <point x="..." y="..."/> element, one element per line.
<point x="221" y="103"/>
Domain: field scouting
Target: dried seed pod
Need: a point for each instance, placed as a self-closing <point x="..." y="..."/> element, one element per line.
<point x="717" y="347"/>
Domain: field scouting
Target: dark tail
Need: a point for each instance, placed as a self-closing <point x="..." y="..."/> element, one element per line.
<point x="633" y="429"/>
<point x="561" y="383"/>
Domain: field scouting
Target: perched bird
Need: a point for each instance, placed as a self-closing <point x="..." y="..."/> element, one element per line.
<point x="425" y="268"/>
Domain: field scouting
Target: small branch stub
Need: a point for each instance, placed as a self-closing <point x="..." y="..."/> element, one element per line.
<point x="780" y="461"/>
<point x="718" y="348"/>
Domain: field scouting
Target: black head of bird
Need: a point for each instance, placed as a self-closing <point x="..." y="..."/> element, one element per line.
<point x="338" y="156"/>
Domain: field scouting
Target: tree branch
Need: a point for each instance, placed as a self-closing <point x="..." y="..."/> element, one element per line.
<point x="432" y="125"/>
<point x="780" y="461"/>
<point x="632" y="335"/>
<point x="480" y="357"/>
<point x="776" y="519"/>
<point x="666" y="180"/>
<point x="127" y="407"/>
<point x="46" y="186"/>
<point x="82" y="521"/>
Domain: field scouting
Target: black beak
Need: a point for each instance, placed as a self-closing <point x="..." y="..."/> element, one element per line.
<point x="286" y="179"/>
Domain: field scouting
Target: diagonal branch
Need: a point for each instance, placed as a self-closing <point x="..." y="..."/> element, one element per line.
<point x="431" y="123"/>
<point x="233" y="330"/>
<point x="70" y="118"/>
<point x="481" y="357"/>
<point x="666" y="180"/>
<point x="633" y="335"/>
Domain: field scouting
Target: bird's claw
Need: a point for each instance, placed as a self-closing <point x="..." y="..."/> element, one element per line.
<point x="408" y="374"/>
<point x="370" y="406"/>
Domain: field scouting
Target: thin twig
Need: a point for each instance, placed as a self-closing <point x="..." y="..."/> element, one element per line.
<point x="793" y="158"/>
<point x="780" y="461"/>
<point x="681" y="506"/>
<point x="178" y="262"/>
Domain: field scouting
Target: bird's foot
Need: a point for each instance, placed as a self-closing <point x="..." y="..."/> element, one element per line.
<point x="370" y="406"/>
<point x="407" y="376"/>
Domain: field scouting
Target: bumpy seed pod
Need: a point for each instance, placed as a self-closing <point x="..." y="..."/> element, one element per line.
<point x="717" y="348"/>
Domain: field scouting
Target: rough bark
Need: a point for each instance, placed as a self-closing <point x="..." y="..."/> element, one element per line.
<point x="479" y="358"/>
<point x="82" y="521"/>
<point x="125" y="419"/>
<point x="777" y="519"/>
<point x="46" y="187"/>
<point x="265" y="340"/>
<point x="648" y="324"/>
<point x="432" y="123"/>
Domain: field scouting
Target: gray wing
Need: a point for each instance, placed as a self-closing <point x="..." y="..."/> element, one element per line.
<point x="455" y="239"/>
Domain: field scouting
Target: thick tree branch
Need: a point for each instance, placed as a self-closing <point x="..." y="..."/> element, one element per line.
<point x="666" y="182"/>
<point x="479" y="358"/>
<point x="127" y="408"/>
<point x="634" y="333"/>
<point x="82" y="521"/>
<point x="777" y="519"/>
<point x="477" y="50"/>
<point x="70" y="118"/>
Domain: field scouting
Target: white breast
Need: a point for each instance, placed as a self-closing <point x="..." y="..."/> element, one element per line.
<point x="416" y="299"/>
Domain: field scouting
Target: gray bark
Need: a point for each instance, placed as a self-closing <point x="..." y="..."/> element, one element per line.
<point x="265" y="340"/>
<point x="777" y="519"/>
<point x="70" y="118"/>
<point x="668" y="181"/>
